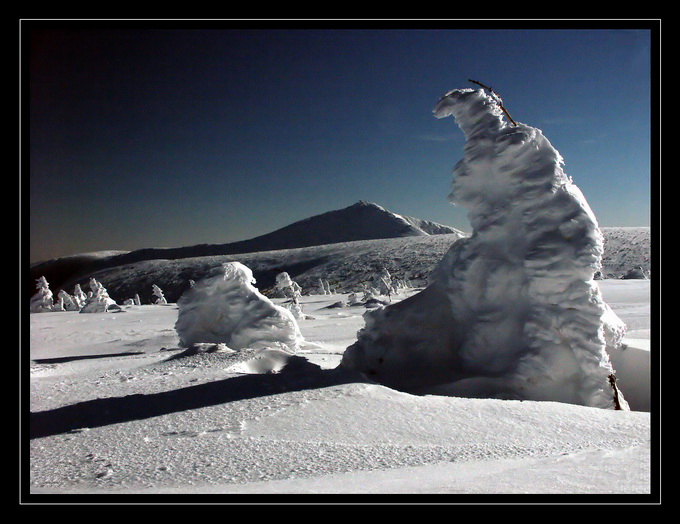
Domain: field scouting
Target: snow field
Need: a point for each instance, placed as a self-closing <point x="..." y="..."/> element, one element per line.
<point x="279" y="436"/>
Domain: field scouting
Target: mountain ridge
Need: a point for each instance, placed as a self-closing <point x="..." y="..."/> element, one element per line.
<point x="360" y="221"/>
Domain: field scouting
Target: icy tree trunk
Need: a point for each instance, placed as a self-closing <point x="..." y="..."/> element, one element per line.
<point x="514" y="310"/>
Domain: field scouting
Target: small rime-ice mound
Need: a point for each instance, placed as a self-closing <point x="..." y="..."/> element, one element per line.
<point x="225" y="307"/>
<point x="513" y="311"/>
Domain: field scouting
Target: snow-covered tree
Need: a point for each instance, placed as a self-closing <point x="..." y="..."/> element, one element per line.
<point x="288" y="287"/>
<point x="324" y="287"/>
<point x="68" y="302"/>
<point x="79" y="296"/>
<point x="98" y="299"/>
<point x="352" y="299"/>
<point x="226" y="308"/>
<point x="513" y="311"/>
<point x="369" y="292"/>
<point x="43" y="300"/>
<point x="295" y="308"/>
<point x="384" y="282"/>
<point x="158" y="294"/>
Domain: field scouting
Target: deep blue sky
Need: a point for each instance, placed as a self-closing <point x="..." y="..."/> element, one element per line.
<point x="147" y="137"/>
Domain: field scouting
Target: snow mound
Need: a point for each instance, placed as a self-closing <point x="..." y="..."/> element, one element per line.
<point x="246" y="361"/>
<point x="226" y="307"/>
<point x="513" y="311"/>
<point x="262" y="361"/>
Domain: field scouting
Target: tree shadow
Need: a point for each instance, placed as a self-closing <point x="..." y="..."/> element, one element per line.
<point x="62" y="360"/>
<point x="298" y="374"/>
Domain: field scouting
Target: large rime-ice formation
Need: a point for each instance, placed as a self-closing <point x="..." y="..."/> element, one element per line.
<point x="513" y="311"/>
<point x="226" y="308"/>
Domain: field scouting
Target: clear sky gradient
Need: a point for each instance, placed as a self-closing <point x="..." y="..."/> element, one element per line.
<point x="144" y="136"/>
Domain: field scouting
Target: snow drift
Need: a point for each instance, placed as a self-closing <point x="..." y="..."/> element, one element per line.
<point x="513" y="311"/>
<point x="226" y="308"/>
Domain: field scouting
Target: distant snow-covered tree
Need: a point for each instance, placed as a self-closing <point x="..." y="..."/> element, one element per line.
<point x="68" y="302"/>
<point x="384" y="280"/>
<point x="369" y="292"/>
<point x="158" y="293"/>
<point x="98" y="299"/>
<point x="79" y="296"/>
<point x="43" y="300"/>
<point x="296" y="308"/>
<point x="288" y="287"/>
<point x="352" y="299"/>
<point x="324" y="287"/>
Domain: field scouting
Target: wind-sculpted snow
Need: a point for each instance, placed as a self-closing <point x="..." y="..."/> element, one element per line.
<point x="226" y="308"/>
<point x="513" y="311"/>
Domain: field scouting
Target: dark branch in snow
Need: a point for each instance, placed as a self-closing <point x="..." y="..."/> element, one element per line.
<point x="612" y="383"/>
<point x="498" y="99"/>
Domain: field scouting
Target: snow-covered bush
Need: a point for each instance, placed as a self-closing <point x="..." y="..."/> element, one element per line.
<point x="43" y="300"/>
<point x="513" y="311"/>
<point x="159" y="298"/>
<point x="226" y="307"/>
<point x="98" y="300"/>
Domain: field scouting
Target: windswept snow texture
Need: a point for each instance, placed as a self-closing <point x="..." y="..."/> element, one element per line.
<point x="512" y="311"/>
<point x="226" y="308"/>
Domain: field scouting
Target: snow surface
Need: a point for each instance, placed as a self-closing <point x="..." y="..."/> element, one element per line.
<point x="125" y="410"/>
<point x="121" y="404"/>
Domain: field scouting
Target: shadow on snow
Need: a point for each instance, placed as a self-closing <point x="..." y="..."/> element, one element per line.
<point x="298" y="374"/>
